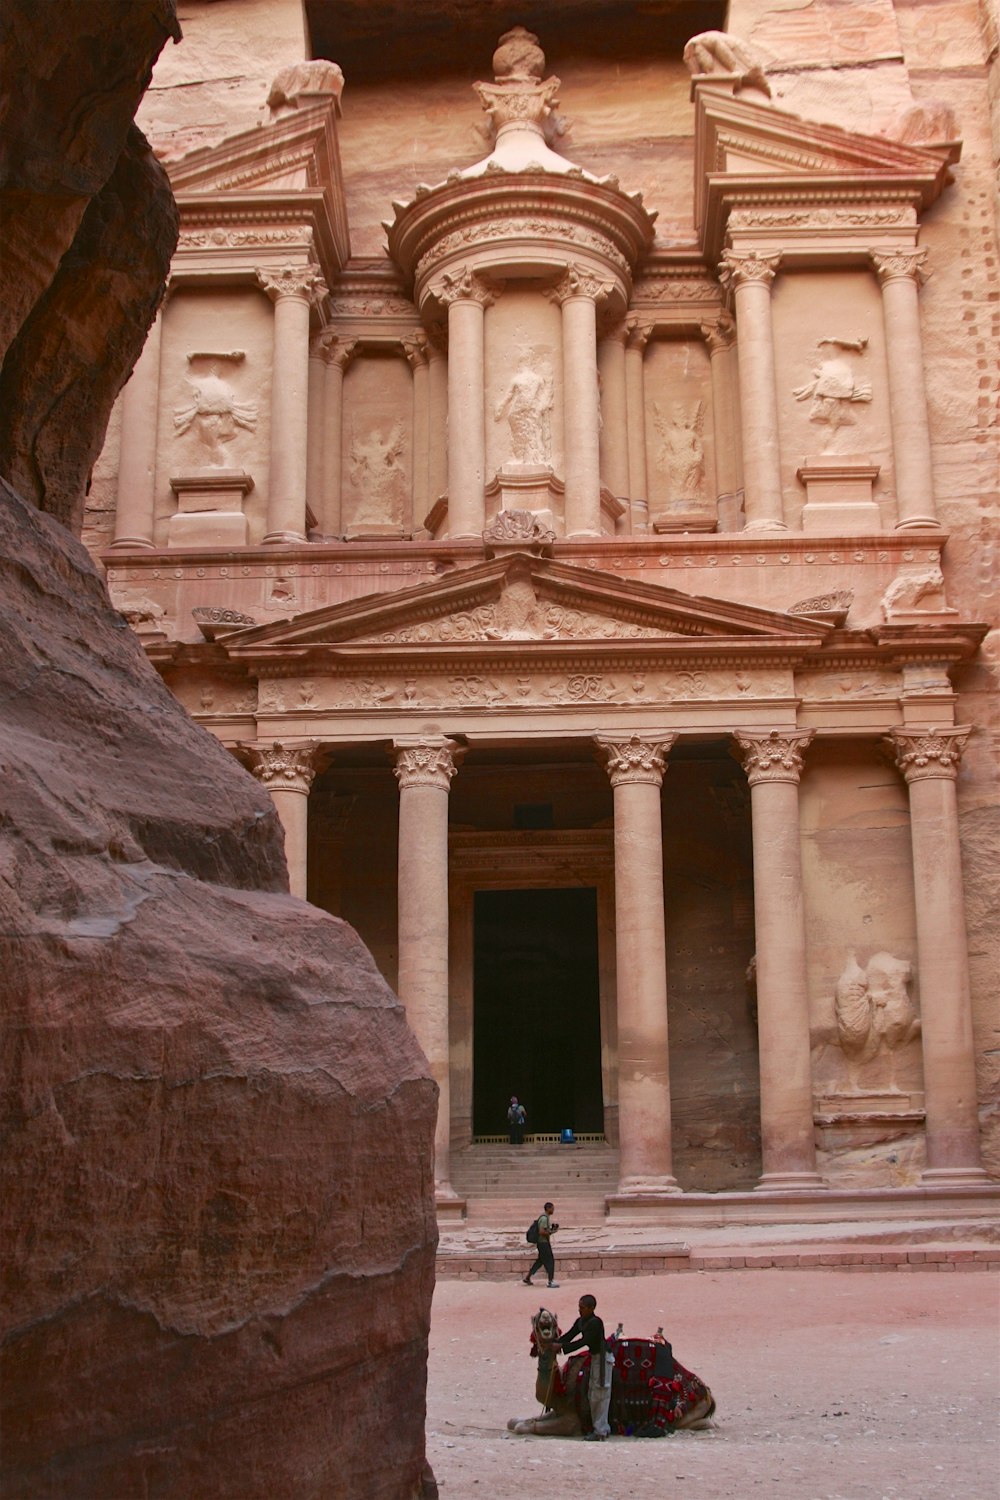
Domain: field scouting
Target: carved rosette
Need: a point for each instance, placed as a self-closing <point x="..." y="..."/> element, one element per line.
<point x="719" y="335"/>
<point x="928" y="754"/>
<point x="635" y="759"/>
<point x="899" y="265"/>
<point x="463" y="285"/>
<point x="775" y="755"/>
<point x="281" y="767"/>
<point x="580" y="283"/>
<point x="426" y="763"/>
<point x="304" y="283"/>
<point x="743" y="267"/>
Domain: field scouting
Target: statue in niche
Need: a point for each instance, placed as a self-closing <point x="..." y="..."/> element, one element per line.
<point x="834" y="389"/>
<point x="874" y="1012"/>
<point x="527" y="406"/>
<point x="215" y="414"/>
<point x="682" y="452"/>
<point x="378" y="475"/>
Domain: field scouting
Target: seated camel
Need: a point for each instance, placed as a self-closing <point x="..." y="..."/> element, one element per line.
<point x="651" y="1394"/>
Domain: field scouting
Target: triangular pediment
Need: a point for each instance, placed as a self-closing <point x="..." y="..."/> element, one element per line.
<point x="524" y="600"/>
<point x="742" y="148"/>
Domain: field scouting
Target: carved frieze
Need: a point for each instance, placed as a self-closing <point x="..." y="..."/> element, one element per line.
<point x="541" y="227"/>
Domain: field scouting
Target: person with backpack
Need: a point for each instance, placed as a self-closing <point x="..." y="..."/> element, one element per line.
<point x="540" y="1233"/>
<point x="516" y="1118"/>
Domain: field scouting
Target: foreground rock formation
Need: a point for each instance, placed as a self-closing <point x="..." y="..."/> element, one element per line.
<point x="218" y="1221"/>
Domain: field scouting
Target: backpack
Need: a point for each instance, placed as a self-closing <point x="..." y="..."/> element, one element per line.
<point x="532" y="1233"/>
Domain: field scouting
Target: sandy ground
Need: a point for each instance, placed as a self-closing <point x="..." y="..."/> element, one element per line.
<point x="830" y="1385"/>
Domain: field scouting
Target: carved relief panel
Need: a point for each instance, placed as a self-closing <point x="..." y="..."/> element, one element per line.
<point x="214" y="405"/>
<point x="523" y="381"/>
<point x="680" y="437"/>
<point x="833" y="395"/>
<point x="377" y="473"/>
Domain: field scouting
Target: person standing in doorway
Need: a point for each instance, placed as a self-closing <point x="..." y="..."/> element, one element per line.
<point x="588" y="1331"/>
<point x="516" y="1117"/>
<point x="545" y="1260"/>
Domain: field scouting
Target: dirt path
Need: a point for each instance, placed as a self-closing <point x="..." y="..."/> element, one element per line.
<point x="830" y="1386"/>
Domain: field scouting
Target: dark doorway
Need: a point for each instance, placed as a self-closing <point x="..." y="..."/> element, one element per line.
<point x="537" y="1028"/>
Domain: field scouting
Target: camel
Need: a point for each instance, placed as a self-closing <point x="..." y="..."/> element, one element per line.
<point x="652" y="1395"/>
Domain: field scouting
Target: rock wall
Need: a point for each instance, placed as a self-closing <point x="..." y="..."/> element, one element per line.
<point x="217" y="1203"/>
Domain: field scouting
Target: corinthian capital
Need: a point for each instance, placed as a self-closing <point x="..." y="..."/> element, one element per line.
<point x="415" y="349"/>
<point x="637" y="333"/>
<point x="302" y="282"/>
<point x="463" y="285"/>
<point x="281" y="767"/>
<point x="577" y="282"/>
<point x="775" y="755"/>
<point x="721" y="334"/>
<point x="899" y="265"/>
<point x="740" y="267"/>
<point x="426" y="762"/>
<point x="928" y="754"/>
<point x="634" y="759"/>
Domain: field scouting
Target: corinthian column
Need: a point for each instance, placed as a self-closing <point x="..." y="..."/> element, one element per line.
<point x="899" y="274"/>
<point x="578" y="295"/>
<point x="339" y="353"/>
<point x="288" y="771"/>
<point x="293" y="291"/>
<point x="751" y="275"/>
<point x="466" y="297"/>
<point x="929" y="759"/>
<point x="773" y="764"/>
<point x="416" y="351"/>
<point x="636" y="768"/>
<point x="720" y="337"/>
<point x="136" y="498"/>
<point x="424" y="769"/>
<point x="636" y="339"/>
<point x="614" y="409"/>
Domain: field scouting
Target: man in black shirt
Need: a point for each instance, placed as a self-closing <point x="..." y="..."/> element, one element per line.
<point x="588" y="1330"/>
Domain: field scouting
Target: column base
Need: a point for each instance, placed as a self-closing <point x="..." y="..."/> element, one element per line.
<point x="132" y="544"/>
<point x="644" y="1187"/>
<point x="283" y="539"/>
<point x="791" y="1182"/>
<point x="957" y="1176"/>
<point x="761" y="526"/>
<point x="448" y="1206"/>
<point x="919" y="523"/>
<point x="583" y="536"/>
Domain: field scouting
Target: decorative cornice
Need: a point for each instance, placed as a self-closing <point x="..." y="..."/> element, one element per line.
<point x="426" y="762"/>
<point x="282" y="767"/>
<point x="632" y="759"/>
<point x="930" y="754"/>
<point x="775" y="755"/>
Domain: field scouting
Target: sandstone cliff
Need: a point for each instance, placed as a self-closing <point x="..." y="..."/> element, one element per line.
<point x="218" y="1216"/>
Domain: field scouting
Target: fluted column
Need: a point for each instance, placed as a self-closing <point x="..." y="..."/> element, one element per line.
<point x="416" y="351"/>
<point x="636" y="339"/>
<point x="929" y="760"/>
<point x="751" y="274"/>
<point x="899" y="273"/>
<point x="424" y="769"/>
<point x="135" y="503"/>
<point x="293" y="291"/>
<point x="614" y="408"/>
<point x="466" y="297"/>
<point x="636" y="768"/>
<point x="720" y="336"/>
<point x="578" y="294"/>
<point x="339" y="353"/>
<point x="773" y="764"/>
<point x="288" y="772"/>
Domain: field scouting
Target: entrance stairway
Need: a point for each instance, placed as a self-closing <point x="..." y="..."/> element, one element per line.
<point x="505" y="1185"/>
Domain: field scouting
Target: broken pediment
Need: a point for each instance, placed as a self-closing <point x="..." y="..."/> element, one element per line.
<point x="521" y="598"/>
<point x="749" y="154"/>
